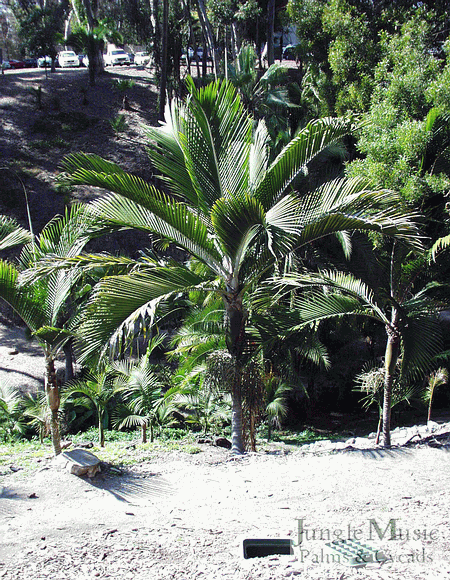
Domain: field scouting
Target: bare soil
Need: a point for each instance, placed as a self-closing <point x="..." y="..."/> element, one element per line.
<point x="181" y="516"/>
<point x="177" y="515"/>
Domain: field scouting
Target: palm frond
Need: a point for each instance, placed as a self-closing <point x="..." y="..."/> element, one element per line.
<point x="11" y="234"/>
<point x="293" y="159"/>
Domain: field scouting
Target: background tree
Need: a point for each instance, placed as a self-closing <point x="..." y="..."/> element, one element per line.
<point x="41" y="29"/>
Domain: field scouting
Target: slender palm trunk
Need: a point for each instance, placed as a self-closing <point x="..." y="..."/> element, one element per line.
<point x="237" y="438"/>
<point x="144" y="433"/>
<point x="235" y="341"/>
<point x="52" y="391"/>
<point x="101" y="431"/>
<point x="68" y="356"/>
<point x="164" y="63"/>
<point x="391" y="358"/>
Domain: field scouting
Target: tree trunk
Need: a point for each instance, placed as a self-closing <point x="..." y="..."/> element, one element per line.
<point x="68" y="354"/>
<point x="207" y="33"/>
<point x="235" y="335"/>
<point x="52" y="390"/>
<point x="237" y="438"/>
<point x="391" y="358"/>
<point x="101" y="431"/>
<point x="164" y="67"/>
<point x="270" y="31"/>
<point x="144" y="433"/>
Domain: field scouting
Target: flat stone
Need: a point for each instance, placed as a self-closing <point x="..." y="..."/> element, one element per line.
<point x="81" y="462"/>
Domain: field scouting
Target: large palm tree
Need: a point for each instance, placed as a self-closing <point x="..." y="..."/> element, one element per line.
<point x="236" y="215"/>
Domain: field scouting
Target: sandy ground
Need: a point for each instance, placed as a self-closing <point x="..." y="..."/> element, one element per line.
<point x="181" y="516"/>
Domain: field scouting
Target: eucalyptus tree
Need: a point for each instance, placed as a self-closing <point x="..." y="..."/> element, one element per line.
<point x="236" y="214"/>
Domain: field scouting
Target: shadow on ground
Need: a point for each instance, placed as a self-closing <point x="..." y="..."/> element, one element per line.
<point x="133" y="488"/>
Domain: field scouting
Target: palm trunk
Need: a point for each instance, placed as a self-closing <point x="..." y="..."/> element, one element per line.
<point x="52" y="390"/>
<point x="269" y="430"/>
<point x="68" y="355"/>
<point x="235" y="342"/>
<point x="144" y="433"/>
<point x="101" y="431"/>
<point x="237" y="438"/>
<point x="208" y="35"/>
<point x="270" y="30"/>
<point x="391" y="358"/>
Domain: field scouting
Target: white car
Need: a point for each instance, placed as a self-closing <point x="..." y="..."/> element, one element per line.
<point x="68" y="58"/>
<point x="115" y="57"/>
<point x="141" y="58"/>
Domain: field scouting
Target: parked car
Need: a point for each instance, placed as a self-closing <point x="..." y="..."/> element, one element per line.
<point x="44" y="61"/>
<point x="68" y="58"/>
<point x="16" y="63"/>
<point x="116" y="56"/>
<point x="30" y="62"/>
<point x="141" y="58"/>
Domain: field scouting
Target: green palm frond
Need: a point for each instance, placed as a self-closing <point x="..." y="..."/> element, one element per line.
<point x="22" y="300"/>
<point x="439" y="245"/>
<point x="118" y="302"/>
<point x="421" y="340"/>
<point x="294" y="158"/>
<point x="349" y="205"/>
<point x="236" y="222"/>
<point x="174" y="222"/>
<point x="11" y="234"/>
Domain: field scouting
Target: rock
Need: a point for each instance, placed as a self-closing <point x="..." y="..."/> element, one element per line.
<point x="81" y="462"/>
<point x="222" y="442"/>
<point x="432" y="426"/>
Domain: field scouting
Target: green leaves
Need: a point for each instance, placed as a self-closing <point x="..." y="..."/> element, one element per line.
<point x="11" y="234"/>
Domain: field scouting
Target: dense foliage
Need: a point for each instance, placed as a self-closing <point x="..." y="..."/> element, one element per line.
<point x="302" y="213"/>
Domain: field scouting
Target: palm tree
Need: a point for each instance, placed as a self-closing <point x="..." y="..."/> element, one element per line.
<point x="413" y="333"/>
<point x="142" y="391"/>
<point x="35" y="407"/>
<point x="236" y="214"/>
<point x="275" y="394"/>
<point x="435" y="380"/>
<point x="11" y="416"/>
<point x="92" y="41"/>
<point x="98" y="388"/>
<point x="48" y="305"/>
